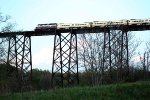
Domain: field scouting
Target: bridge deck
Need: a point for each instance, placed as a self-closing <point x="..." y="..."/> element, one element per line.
<point x="78" y="31"/>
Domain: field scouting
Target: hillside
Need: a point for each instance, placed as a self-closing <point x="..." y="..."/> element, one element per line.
<point x="126" y="91"/>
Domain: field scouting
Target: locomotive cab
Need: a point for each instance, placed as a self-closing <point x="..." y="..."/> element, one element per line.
<point x="45" y="27"/>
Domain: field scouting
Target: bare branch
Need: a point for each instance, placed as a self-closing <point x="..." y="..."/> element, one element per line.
<point x="4" y="18"/>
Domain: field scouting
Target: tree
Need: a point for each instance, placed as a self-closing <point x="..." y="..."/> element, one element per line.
<point x="4" y="18"/>
<point x="90" y="55"/>
<point x="5" y="27"/>
<point x="8" y="80"/>
<point x="145" y="61"/>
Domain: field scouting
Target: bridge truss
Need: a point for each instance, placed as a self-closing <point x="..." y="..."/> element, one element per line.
<point x="65" y="60"/>
<point x="115" y="53"/>
<point x="19" y="55"/>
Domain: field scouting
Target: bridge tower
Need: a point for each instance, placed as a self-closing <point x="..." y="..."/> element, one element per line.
<point x="19" y="55"/>
<point x="65" y="60"/>
<point x="115" y="53"/>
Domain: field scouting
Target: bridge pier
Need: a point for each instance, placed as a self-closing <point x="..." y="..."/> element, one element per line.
<point x="65" y="60"/>
<point x="115" y="54"/>
<point x="19" y="55"/>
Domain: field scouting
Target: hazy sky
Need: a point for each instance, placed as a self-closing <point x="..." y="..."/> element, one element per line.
<point x="28" y="13"/>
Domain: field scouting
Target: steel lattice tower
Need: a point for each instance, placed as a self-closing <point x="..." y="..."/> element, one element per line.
<point x="115" y="53"/>
<point x="125" y="54"/>
<point x="65" y="60"/>
<point x="19" y="55"/>
<point x="106" y="53"/>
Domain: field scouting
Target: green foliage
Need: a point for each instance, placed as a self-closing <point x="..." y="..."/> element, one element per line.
<point x="128" y="91"/>
<point x="8" y="80"/>
<point x="41" y="79"/>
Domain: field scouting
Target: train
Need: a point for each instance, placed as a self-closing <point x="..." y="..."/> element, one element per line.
<point x="93" y="24"/>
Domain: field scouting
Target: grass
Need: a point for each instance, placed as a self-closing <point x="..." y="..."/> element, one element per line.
<point x="126" y="91"/>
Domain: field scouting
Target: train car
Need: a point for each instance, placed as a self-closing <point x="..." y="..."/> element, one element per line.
<point x="119" y="22"/>
<point x="147" y="21"/>
<point x="63" y="26"/>
<point x="72" y="25"/>
<point x="99" y="24"/>
<point x="46" y="26"/>
<point x="135" y="22"/>
<point x="83" y="25"/>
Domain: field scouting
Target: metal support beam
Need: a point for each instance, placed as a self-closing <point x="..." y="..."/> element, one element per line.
<point x="106" y="55"/>
<point x="65" y="60"/>
<point x="115" y="54"/>
<point x="125" y="54"/>
<point x="117" y="48"/>
<point x="19" y="55"/>
<point x="27" y="63"/>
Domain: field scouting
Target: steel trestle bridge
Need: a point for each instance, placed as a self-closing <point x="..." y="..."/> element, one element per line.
<point x="65" y="55"/>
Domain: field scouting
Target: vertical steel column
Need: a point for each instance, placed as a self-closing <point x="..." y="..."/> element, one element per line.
<point x="73" y="77"/>
<point x="19" y="56"/>
<point x="57" y="77"/>
<point x="11" y="58"/>
<point x="65" y="60"/>
<point x="125" y="55"/>
<point x="26" y="63"/>
<point x="106" y="54"/>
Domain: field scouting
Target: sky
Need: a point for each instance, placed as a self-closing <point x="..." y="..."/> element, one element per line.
<point x="28" y="13"/>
